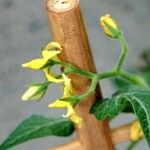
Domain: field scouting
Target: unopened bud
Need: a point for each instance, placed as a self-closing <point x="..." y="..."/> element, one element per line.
<point x="110" y="26"/>
<point x="35" y="92"/>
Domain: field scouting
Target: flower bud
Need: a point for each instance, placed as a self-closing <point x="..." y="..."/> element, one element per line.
<point x="136" y="131"/>
<point x="35" y="92"/>
<point x="110" y="27"/>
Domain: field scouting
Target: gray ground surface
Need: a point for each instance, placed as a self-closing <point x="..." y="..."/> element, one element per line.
<point x="23" y="29"/>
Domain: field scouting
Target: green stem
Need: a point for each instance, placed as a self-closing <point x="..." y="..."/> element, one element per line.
<point x="76" y="99"/>
<point x="91" y="89"/>
<point x="137" y="80"/>
<point x="117" y="71"/>
<point x="75" y="70"/>
<point x="123" y="54"/>
<point x="107" y="74"/>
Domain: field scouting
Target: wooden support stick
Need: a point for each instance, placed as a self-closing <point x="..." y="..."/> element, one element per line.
<point x="73" y="145"/>
<point x="68" y="29"/>
<point x="120" y="134"/>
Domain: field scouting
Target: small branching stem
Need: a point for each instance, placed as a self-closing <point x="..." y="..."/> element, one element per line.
<point x="91" y="89"/>
<point x="73" y="69"/>
<point x="117" y="71"/>
<point x="137" y="80"/>
<point x="123" y="54"/>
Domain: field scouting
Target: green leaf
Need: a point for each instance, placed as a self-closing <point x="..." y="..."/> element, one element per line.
<point x="137" y="97"/>
<point x="35" y="127"/>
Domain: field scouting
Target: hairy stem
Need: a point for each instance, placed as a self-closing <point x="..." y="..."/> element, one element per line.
<point x="108" y="74"/>
<point x="134" y="79"/>
<point x="74" y="69"/>
<point x="91" y="89"/>
<point x="123" y="54"/>
<point x="137" y="80"/>
<point x="117" y="71"/>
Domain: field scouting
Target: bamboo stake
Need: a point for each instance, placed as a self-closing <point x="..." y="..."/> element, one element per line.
<point x="68" y="29"/>
<point x="73" y="145"/>
<point x="120" y="134"/>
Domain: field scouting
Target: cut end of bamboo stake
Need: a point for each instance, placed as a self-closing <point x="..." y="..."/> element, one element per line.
<point x="60" y="6"/>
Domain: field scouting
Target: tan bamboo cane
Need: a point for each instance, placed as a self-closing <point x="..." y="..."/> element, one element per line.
<point x="68" y="29"/>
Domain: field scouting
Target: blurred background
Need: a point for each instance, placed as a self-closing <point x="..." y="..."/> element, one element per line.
<point x="24" y="29"/>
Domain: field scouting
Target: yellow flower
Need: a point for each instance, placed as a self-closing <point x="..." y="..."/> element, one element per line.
<point x="50" y="51"/>
<point x="63" y="104"/>
<point x="47" y="54"/>
<point x="68" y="91"/>
<point x="76" y="119"/>
<point x="70" y="112"/>
<point x="73" y="115"/>
<point x="136" y="131"/>
<point x="35" y="92"/>
<point x="35" y="64"/>
<point x="58" y="104"/>
<point x="53" y="46"/>
<point x="109" y="25"/>
<point x="51" y="77"/>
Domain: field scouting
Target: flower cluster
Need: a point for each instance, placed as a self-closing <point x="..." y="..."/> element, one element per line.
<point x="37" y="91"/>
<point x="68" y="100"/>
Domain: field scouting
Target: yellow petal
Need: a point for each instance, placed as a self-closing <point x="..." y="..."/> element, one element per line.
<point x="68" y="91"/>
<point x="73" y="115"/>
<point x="58" y="104"/>
<point x="49" y="54"/>
<point x="109" y="20"/>
<point x="66" y="79"/>
<point x="136" y="131"/>
<point x="55" y="58"/>
<point x="70" y="111"/>
<point x="50" y="77"/>
<point x="53" y="45"/>
<point x="76" y="119"/>
<point x="35" y="64"/>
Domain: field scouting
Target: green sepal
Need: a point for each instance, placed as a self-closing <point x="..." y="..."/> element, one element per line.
<point x="116" y="34"/>
<point x="50" y="63"/>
